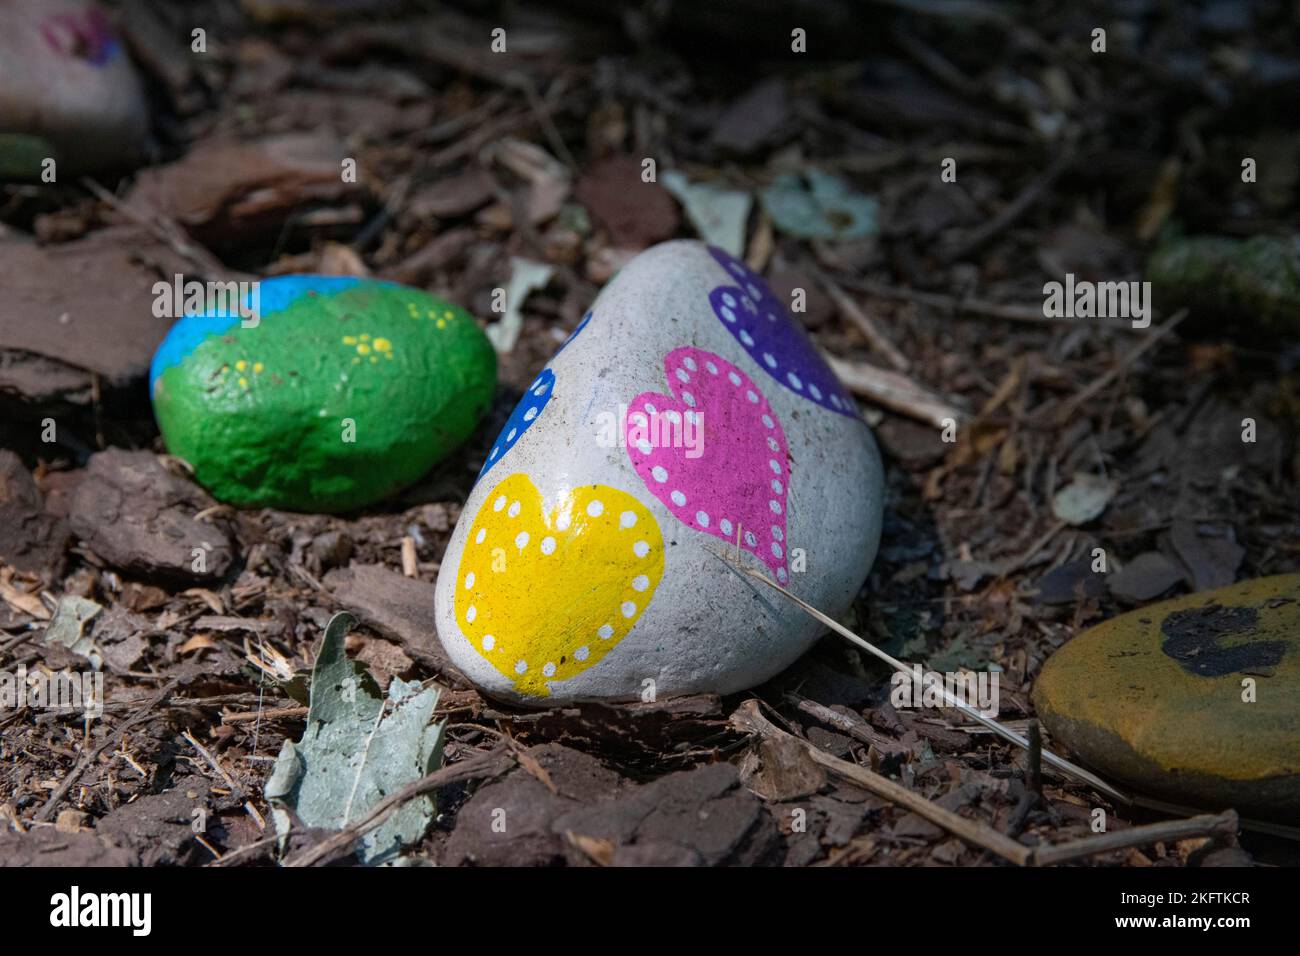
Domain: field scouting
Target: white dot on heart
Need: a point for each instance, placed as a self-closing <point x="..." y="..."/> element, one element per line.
<point x="499" y="503"/>
<point x="563" y="521"/>
<point x="690" y="363"/>
<point x="628" y="608"/>
<point x="471" y="612"/>
<point x="640" y="582"/>
<point x="683" y="376"/>
<point x="482" y="533"/>
<point x="596" y="508"/>
<point x="775" y="506"/>
<point x="659" y="473"/>
<point x="548" y="669"/>
<point x="521" y="666"/>
<point x="582" y="652"/>
<point x="774" y="465"/>
<point x="627" y="519"/>
<point x="640" y="549"/>
<point x="605" y="632"/>
<point x="489" y="642"/>
<point x="725" y="525"/>
<point x="679" y="499"/>
<point x="702" y="518"/>
<point x="548" y="545"/>
<point x="734" y="379"/>
<point x="469" y="580"/>
<point x="767" y="422"/>
<point x="521" y="540"/>
<point x="793" y="379"/>
<point x="513" y="510"/>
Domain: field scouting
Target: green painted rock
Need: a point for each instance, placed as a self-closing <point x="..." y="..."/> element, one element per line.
<point x="1253" y="282"/>
<point x="342" y="391"/>
<point x="1160" y="698"/>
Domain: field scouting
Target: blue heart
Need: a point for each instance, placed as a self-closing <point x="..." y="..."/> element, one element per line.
<point x="522" y="418"/>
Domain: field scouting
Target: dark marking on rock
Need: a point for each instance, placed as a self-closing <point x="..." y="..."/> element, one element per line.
<point x="1193" y="638"/>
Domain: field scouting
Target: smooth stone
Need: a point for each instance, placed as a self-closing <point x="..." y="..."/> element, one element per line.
<point x="1153" y="698"/>
<point x="585" y="564"/>
<point x="68" y="90"/>
<point x="344" y="391"/>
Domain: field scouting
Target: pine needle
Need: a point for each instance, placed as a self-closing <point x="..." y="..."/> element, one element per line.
<point x="950" y="699"/>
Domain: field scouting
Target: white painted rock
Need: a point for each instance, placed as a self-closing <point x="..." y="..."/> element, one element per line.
<point x="688" y="414"/>
<point x="68" y="90"/>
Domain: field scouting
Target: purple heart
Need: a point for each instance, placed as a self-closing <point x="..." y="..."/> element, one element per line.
<point x="759" y="322"/>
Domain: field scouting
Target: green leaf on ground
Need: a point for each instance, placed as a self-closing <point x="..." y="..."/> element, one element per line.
<point x="817" y="205"/>
<point x="68" y="628"/>
<point x="352" y="755"/>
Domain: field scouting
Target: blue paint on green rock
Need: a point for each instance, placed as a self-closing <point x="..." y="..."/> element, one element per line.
<point x="343" y="391"/>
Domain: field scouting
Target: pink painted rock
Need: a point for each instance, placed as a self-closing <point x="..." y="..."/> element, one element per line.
<point x="687" y="417"/>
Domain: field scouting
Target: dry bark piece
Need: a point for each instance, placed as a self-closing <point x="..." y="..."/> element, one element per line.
<point x="1211" y="562"/>
<point x="1145" y="577"/>
<point x="702" y="812"/>
<point x="528" y="809"/>
<point x="636" y="214"/>
<point x="223" y="189"/>
<point x="84" y="306"/>
<point x="398" y="607"/>
<point x="159" y="824"/>
<point x="139" y="517"/>
<point x="30" y="538"/>
<point x="457" y="195"/>
<point x="754" y="120"/>
<point x="46" y="846"/>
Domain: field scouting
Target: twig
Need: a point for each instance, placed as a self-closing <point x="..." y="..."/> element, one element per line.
<point x="270" y="714"/>
<point x="82" y="765"/>
<point x="747" y="718"/>
<point x="968" y="305"/>
<point x="893" y="390"/>
<point x="1064" y="413"/>
<point x="230" y="781"/>
<point x="949" y="698"/>
<point x="865" y="324"/>
<point x="1014" y="209"/>
<point x="481" y="765"/>
<point x="1221" y="825"/>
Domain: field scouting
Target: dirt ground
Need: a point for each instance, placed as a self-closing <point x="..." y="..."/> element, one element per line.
<point x="1068" y="162"/>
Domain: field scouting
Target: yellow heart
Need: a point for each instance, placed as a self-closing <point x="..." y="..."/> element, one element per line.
<point x="545" y="595"/>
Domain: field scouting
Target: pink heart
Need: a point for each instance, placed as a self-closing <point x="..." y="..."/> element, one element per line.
<point x="714" y="454"/>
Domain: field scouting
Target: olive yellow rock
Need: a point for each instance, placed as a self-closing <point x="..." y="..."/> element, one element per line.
<point x="1195" y="700"/>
